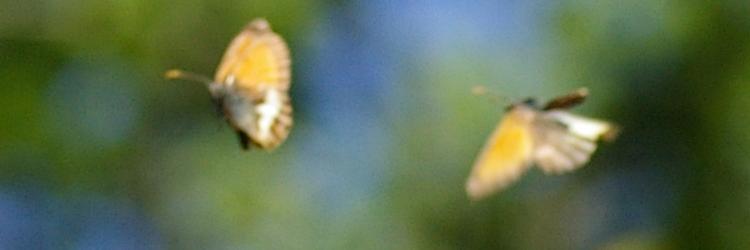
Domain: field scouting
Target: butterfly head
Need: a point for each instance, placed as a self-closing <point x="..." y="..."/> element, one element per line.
<point x="259" y="25"/>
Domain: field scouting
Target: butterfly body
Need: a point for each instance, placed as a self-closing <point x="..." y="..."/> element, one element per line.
<point x="550" y="137"/>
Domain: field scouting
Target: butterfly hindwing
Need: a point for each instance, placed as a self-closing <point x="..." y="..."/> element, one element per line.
<point x="556" y="150"/>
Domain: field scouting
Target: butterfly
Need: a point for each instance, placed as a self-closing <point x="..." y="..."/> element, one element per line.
<point x="548" y="136"/>
<point x="251" y="86"/>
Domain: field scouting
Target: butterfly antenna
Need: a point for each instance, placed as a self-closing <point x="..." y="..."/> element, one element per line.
<point x="494" y="96"/>
<point x="184" y="75"/>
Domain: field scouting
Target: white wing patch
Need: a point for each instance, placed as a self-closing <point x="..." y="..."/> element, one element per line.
<point x="581" y="126"/>
<point x="267" y="112"/>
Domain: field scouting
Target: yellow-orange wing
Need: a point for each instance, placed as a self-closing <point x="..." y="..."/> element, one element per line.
<point x="506" y="155"/>
<point x="257" y="59"/>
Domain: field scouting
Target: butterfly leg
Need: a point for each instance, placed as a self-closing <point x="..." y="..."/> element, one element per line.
<point x="244" y="140"/>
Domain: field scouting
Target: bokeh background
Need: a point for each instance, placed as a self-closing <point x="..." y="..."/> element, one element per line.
<point x="98" y="151"/>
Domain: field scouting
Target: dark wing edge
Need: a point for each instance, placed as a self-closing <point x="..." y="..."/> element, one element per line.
<point x="567" y="101"/>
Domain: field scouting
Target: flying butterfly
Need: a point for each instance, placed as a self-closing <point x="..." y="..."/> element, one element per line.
<point x="548" y="136"/>
<point x="251" y="86"/>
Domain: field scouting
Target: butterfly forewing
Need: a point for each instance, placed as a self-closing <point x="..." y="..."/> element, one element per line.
<point x="567" y="101"/>
<point x="257" y="58"/>
<point x="505" y="156"/>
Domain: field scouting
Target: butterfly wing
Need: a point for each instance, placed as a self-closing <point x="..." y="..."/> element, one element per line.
<point x="254" y="78"/>
<point x="568" y="101"/>
<point x="256" y="59"/>
<point x="505" y="156"/>
<point x="564" y="142"/>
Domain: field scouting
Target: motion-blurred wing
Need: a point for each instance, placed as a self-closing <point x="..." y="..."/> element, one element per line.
<point x="564" y="142"/>
<point x="256" y="59"/>
<point x="505" y="156"/>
